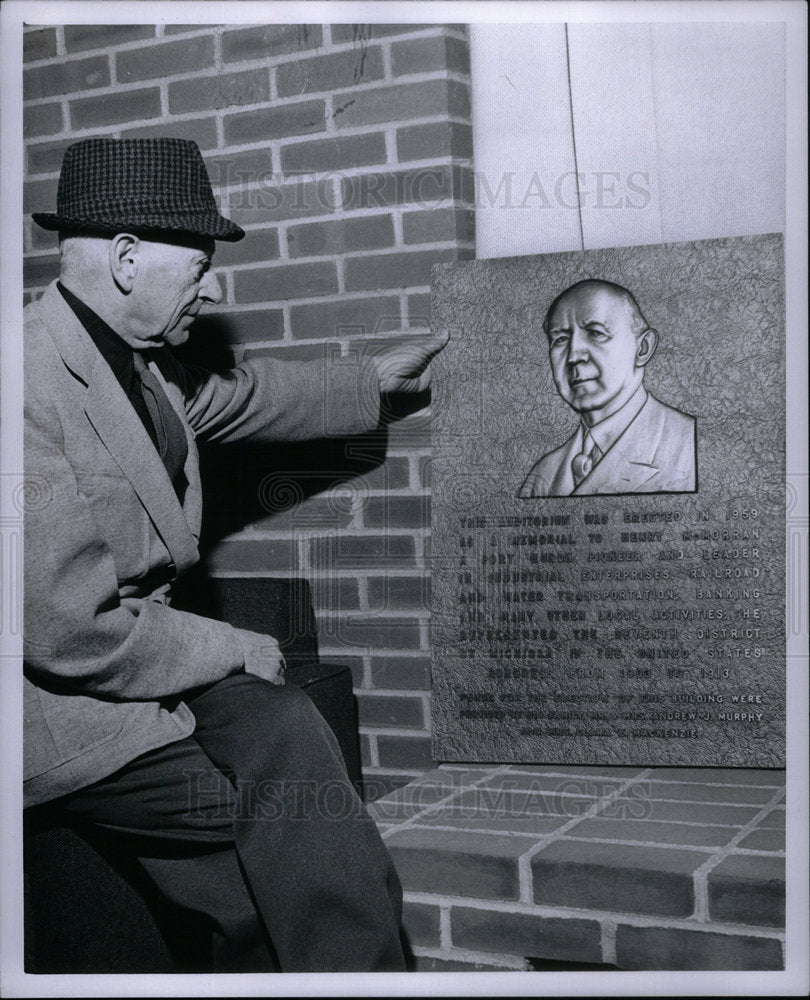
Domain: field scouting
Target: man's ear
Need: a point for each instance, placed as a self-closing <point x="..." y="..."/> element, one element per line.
<point x="124" y="260"/>
<point x="645" y="346"/>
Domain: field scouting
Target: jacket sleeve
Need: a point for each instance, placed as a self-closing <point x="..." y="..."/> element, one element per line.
<point x="79" y="634"/>
<point x="265" y="399"/>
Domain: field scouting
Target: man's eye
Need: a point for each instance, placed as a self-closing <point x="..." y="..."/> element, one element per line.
<point x="559" y="339"/>
<point x="598" y="335"/>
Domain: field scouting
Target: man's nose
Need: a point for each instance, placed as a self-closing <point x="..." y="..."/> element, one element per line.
<point x="210" y="288"/>
<point x="577" y="347"/>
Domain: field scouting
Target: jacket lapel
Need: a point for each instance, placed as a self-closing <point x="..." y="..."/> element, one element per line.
<point x="630" y="463"/>
<point x="120" y="429"/>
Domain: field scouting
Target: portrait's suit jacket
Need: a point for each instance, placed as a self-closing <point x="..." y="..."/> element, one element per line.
<point x="655" y="454"/>
<point x="107" y="658"/>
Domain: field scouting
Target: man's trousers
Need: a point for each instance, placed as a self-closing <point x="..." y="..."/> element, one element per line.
<point x="254" y="814"/>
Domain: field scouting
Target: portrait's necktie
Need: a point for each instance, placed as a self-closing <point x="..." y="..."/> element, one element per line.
<point x="170" y="438"/>
<point x="582" y="463"/>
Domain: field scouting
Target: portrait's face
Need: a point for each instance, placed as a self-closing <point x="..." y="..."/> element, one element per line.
<point x="173" y="283"/>
<point x="596" y="359"/>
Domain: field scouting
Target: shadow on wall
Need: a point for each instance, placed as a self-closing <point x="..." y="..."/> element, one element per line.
<point x="249" y="483"/>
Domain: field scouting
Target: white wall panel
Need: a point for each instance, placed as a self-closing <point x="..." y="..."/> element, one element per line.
<point x="526" y="198"/>
<point x="690" y="116"/>
<point x="615" y="132"/>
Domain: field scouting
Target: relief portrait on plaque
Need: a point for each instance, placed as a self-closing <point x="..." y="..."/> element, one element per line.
<point x="627" y="440"/>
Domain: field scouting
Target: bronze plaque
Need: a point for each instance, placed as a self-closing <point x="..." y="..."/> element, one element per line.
<point x="609" y="507"/>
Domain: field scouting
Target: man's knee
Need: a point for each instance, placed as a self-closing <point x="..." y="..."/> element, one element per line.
<point x="261" y="724"/>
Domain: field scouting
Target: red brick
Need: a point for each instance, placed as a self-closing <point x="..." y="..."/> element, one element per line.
<point x="341" y="236"/>
<point x="419" y="186"/>
<point x="695" y="812"/>
<point x="654" y="833"/>
<point x="436" y="139"/>
<point x="404" y="752"/>
<point x="748" y="889"/>
<point x="737" y="794"/>
<point x="397" y="512"/>
<point x="39" y="43"/>
<point x="66" y="77"/>
<point x="312" y="513"/>
<point x="392" y="474"/>
<point x="375" y="632"/>
<point x="773" y="777"/>
<point x="247" y="326"/>
<point x="154" y="61"/>
<point x="419" y="310"/>
<point x="354" y="663"/>
<point x="396" y="270"/>
<point x="390" y="710"/>
<point x="612" y="877"/>
<point x="39" y="196"/>
<point x="476" y="865"/>
<point x="396" y="104"/>
<point x="775" y="819"/>
<point x="336" y="594"/>
<point x="552" y="779"/>
<point x="427" y="55"/>
<point x="764" y="840"/>
<point x="278" y="122"/>
<point x="421" y="923"/>
<point x="330" y="72"/>
<point x="182" y="29"/>
<point x="404" y="593"/>
<point x="272" y="202"/>
<point x="677" y="948"/>
<point x="255" y="554"/>
<point x="225" y="90"/>
<point x="412" y="432"/>
<point x="203" y="131"/>
<point x="526" y="934"/>
<point x="408" y="673"/>
<point x="242" y="169"/>
<point x="530" y="827"/>
<point x="292" y="281"/>
<point x="359" y="33"/>
<point x="425" y="473"/>
<point x="268" y="41"/>
<point x="408" y="802"/>
<point x="334" y="319"/>
<point x="40" y="270"/>
<point x="439" y="225"/>
<point x="333" y="154"/>
<point x="379" y="784"/>
<point x="43" y="239"/>
<point x="80" y="37"/>
<point x="257" y="245"/>
<point x="42" y="119"/>
<point x="361" y="551"/>
<point x="46" y="157"/>
<point x="120" y="106"/>
<point x="287" y="352"/>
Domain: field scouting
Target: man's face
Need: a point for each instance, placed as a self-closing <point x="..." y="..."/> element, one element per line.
<point x="173" y="282"/>
<point x="593" y="351"/>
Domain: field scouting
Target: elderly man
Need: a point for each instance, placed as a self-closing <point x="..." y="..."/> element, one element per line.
<point x="139" y="717"/>
<point x="627" y="441"/>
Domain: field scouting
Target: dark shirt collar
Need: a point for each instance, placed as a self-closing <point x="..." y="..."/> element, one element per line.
<point x="115" y="351"/>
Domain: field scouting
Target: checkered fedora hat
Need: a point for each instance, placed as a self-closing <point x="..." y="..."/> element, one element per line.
<point x="111" y="185"/>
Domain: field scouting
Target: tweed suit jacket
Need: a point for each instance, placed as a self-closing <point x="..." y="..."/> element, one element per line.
<point x="655" y="454"/>
<point x="107" y="658"/>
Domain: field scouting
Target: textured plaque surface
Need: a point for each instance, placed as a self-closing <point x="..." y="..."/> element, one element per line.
<point x="638" y="620"/>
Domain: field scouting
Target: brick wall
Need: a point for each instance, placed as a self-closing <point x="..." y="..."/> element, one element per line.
<point x="345" y="152"/>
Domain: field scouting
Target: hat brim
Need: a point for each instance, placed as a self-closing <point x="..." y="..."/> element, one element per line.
<point x="209" y="225"/>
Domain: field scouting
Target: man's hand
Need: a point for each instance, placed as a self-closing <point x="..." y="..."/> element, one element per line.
<point x="405" y="367"/>
<point x="263" y="655"/>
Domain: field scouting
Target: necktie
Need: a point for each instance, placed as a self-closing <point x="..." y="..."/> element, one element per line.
<point x="582" y="463"/>
<point x="169" y="436"/>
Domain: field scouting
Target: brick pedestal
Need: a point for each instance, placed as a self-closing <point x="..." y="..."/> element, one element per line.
<point x="507" y="867"/>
